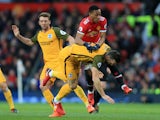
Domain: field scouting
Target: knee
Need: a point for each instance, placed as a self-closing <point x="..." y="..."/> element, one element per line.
<point x="73" y="86"/>
<point x="4" y="87"/>
<point x="47" y="86"/>
<point x="42" y="88"/>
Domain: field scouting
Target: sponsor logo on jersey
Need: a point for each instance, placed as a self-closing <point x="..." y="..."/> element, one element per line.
<point x="49" y="35"/>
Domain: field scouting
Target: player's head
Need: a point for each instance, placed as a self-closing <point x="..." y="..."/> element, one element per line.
<point x="112" y="57"/>
<point x="44" y="20"/>
<point x="94" y="13"/>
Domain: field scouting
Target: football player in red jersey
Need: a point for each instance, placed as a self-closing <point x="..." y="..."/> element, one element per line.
<point x="92" y="34"/>
<point x="92" y="29"/>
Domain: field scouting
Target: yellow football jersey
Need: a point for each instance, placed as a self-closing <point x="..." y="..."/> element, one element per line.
<point x="2" y="78"/>
<point x="82" y="54"/>
<point x="51" y="42"/>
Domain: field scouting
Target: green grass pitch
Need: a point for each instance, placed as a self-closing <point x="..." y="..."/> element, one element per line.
<point x="77" y="111"/>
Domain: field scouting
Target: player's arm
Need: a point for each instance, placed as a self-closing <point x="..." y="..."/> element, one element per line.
<point x="100" y="41"/>
<point x="117" y="74"/>
<point x="97" y="84"/>
<point x="78" y="38"/>
<point x="102" y="38"/>
<point x="79" y="41"/>
<point x="70" y="39"/>
<point x="23" y="39"/>
<point x="63" y="35"/>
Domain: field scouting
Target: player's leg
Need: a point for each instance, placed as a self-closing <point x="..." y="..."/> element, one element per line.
<point x="67" y="88"/>
<point x="80" y="93"/>
<point x="67" y="73"/>
<point x="71" y="85"/>
<point x="46" y="89"/>
<point x="64" y="91"/>
<point x="7" y="93"/>
<point x="97" y="96"/>
<point x="58" y="109"/>
<point x="90" y="85"/>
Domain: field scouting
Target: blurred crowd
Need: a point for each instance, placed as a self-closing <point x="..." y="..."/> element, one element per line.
<point x="136" y="34"/>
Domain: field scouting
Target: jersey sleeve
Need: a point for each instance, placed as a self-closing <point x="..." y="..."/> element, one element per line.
<point x="34" y="38"/>
<point x="96" y="61"/>
<point x="60" y="33"/>
<point x="103" y="24"/>
<point x="116" y="73"/>
<point x="83" y="26"/>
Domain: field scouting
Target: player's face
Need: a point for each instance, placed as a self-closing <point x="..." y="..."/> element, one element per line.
<point x="95" y="15"/>
<point x="110" y="61"/>
<point x="44" y="22"/>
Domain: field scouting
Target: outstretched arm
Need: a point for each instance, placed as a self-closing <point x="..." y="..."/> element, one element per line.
<point x="78" y="39"/>
<point x="71" y="40"/>
<point x="23" y="39"/>
<point x="97" y="84"/>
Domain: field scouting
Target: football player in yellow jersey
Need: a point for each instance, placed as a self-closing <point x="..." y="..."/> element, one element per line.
<point x="69" y="65"/>
<point x="7" y="93"/>
<point x="51" y="41"/>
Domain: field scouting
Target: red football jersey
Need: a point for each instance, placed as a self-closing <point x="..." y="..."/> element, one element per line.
<point x="92" y="30"/>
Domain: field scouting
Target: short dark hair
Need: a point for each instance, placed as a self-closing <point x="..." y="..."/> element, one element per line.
<point x="114" y="54"/>
<point x="92" y="8"/>
<point x="44" y="14"/>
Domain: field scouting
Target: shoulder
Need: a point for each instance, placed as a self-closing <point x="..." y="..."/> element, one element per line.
<point x="102" y="19"/>
<point x="35" y="37"/>
<point x="98" y="57"/>
<point x="97" y="61"/>
<point x="85" y="21"/>
<point x="57" y="30"/>
<point x="60" y="33"/>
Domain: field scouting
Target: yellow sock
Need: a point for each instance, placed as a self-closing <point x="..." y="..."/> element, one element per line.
<point x="49" y="97"/>
<point x="80" y="93"/>
<point x="8" y="96"/>
<point x="64" y="91"/>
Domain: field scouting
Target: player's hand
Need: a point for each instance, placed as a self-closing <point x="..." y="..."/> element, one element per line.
<point x="15" y="30"/>
<point x="96" y="47"/>
<point x="108" y="99"/>
<point x="88" y="46"/>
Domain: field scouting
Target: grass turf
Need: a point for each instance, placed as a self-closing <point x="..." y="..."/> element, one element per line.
<point x="77" y="111"/>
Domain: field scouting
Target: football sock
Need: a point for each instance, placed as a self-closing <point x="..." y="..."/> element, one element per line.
<point x="89" y="81"/>
<point x="9" y="99"/>
<point x="64" y="91"/>
<point x="80" y="93"/>
<point x="49" y="97"/>
<point x="97" y="97"/>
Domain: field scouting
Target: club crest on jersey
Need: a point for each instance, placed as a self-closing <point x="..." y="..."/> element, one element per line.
<point x="99" y="64"/>
<point x="98" y="27"/>
<point x="70" y="75"/>
<point x="49" y="35"/>
<point x="89" y="30"/>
